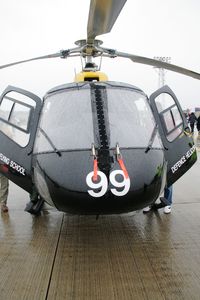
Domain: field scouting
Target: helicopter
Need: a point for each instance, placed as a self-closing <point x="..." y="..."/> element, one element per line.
<point x="95" y="146"/>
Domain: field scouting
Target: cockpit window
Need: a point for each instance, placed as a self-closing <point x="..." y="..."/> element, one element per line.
<point x="170" y="116"/>
<point x="68" y="120"/>
<point x="131" y="120"/>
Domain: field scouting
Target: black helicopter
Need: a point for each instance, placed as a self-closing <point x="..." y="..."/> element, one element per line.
<point x="95" y="146"/>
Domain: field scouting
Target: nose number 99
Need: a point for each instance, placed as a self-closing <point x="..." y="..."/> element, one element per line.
<point x="102" y="185"/>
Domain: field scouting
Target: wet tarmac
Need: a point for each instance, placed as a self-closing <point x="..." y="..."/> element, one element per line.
<point x="129" y="256"/>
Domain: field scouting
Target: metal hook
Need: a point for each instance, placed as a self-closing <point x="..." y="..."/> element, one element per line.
<point x="118" y="151"/>
<point x="93" y="151"/>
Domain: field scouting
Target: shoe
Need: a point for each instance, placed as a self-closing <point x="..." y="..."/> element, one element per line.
<point x="158" y="205"/>
<point x="146" y="209"/>
<point x="167" y="209"/>
<point x="34" y="208"/>
<point x="4" y="207"/>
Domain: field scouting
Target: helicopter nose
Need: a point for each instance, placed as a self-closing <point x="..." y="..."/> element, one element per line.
<point x="68" y="181"/>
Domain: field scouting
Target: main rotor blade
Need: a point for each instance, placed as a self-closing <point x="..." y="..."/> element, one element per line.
<point x="159" y="64"/>
<point x="102" y="16"/>
<point x="59" y="54"/>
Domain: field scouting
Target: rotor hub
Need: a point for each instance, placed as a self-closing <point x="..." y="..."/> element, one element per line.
<point x="82" y="43"/>
<point x="88" y="49"/>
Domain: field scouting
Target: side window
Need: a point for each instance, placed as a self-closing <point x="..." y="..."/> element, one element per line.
<point x="170" y="116"/>
<point x="15" y="116"/>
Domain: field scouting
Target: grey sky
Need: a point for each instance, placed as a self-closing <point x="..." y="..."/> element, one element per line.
<point x="31" y="28"/>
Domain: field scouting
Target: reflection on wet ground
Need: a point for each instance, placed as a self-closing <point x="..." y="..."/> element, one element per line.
<point x="131" y="256"/>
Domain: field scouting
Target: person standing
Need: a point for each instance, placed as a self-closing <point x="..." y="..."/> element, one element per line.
<point x="198" y="124"/>
<point x="4" y="183"/>
<point x="192" y="119"/>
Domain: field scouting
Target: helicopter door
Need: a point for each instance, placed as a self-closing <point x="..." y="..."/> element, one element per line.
<point x="19" y="114"/>
<point x="180" y="152"/>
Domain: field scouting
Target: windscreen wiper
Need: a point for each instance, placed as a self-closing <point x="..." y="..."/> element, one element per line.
<point x="153" y="135"/>
<point x="50" y="142"/>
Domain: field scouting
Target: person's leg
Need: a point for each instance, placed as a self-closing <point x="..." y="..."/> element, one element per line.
<point x="165" y="201"/>
<point x="3" y="192"/>
<point x="168" y="195"/>
<point x="34" y="206"/>
<point x="34" y="195"/>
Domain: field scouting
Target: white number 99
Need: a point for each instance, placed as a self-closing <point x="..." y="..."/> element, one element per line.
<point x="103" y="184"/>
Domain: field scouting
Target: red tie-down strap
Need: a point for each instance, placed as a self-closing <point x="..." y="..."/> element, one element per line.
<point x="122" y="165"/>
<point x="95" y="168"/>
<point x="120" y="161"/>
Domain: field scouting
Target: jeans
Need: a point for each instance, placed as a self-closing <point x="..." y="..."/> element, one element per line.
<point x="168" y="195"/>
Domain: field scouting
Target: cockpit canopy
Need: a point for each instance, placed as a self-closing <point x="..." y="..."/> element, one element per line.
<point x="70" y="118"/>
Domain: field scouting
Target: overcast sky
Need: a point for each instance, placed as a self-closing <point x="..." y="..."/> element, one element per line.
<point x="31" y="28"/>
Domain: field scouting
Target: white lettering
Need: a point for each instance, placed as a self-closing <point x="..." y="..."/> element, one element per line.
<point x="12" y="164"/>
<point x="4" y="159"/>
<point x="183" y="159"/>
<point x="178" y="164"/>
<point x="17" y="167"/>
<point x="190" y="152"/>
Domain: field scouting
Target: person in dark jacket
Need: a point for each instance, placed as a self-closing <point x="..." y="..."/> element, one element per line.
<point x="198" y="124"/>
<point x="192" y="120"/>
